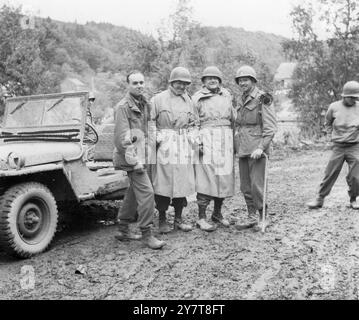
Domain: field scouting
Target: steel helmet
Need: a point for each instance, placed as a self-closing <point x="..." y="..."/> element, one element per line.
<point x="212" y="72"/>
<point x="351" y="89"/>
<point x="246" y="71"/>
<point x="180" y="74"/>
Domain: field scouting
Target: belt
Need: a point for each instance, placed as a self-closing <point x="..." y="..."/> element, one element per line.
<point x="248" y="125"/>
<point x="216" y="123"/>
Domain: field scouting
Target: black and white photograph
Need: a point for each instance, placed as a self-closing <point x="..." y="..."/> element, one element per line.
<point x="192" y="152"/>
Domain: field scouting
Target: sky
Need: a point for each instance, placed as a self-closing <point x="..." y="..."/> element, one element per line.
<point x="270" y="16"/>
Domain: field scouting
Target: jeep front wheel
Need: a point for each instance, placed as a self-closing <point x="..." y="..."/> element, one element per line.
<point x="28" y="219"/>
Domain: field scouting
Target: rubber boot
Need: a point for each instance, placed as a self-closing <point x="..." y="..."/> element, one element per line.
<point x="124" y="234"/>
<point x="250" y="222"/>
<point x="316" y="204"/>
<point x="150" y="241"/>
<point x="178" y="224"/>
<point x="202" y="223"/>
<point x="163" y="226"/>
<point x="217" y="216"/>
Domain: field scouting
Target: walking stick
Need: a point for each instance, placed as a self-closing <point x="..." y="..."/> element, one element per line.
<point x="265" y="194"/>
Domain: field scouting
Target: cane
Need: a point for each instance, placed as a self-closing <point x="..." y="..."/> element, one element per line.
<point x="265" y="194"/>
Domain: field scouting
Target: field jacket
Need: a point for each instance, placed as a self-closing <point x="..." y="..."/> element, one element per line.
<point x="256" y="125"/>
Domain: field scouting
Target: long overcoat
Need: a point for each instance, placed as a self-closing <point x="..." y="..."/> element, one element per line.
<point x="174" y="116"/>
<point x="215" y="172"/>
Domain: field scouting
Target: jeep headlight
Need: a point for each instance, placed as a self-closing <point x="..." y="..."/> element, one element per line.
<point x="15" y="161"/>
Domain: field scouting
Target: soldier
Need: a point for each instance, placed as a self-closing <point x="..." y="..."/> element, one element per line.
<point x="255" y="128"/>
<point x="173" y="174"/>
<point x="215" y="172"/>
<point x="131" y="124"/>
<point x="92" y="99"/>
<point x="342" y="123"/>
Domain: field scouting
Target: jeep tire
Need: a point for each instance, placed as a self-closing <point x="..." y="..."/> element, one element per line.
<point x="28" y="219"/>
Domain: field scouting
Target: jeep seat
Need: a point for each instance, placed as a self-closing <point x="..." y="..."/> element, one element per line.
<point x="105" y="145"/>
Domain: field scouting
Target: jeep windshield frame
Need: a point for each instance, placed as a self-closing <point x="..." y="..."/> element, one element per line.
<point x="54" y="117"/>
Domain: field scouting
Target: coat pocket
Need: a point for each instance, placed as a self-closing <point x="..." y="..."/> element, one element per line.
<point x="255" y="131"/>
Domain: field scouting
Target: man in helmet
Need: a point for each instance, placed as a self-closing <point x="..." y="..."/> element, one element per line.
<point x="174" y="116"/>
<point x="255" y="128"/>
<point x="215" y="171"/>
<point x="92" y="99"/>
<point x="131" y="126"/>
<point x="342" y="122"/>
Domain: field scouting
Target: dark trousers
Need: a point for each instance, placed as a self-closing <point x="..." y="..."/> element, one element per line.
<point x="162" y="203"/>
<point x="138" y="205"/>
<point x="251" y="174"/>
<point x="340" y="154"/>
<point x="203" y="200"/>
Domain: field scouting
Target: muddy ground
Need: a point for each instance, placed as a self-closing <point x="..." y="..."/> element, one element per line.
<point x="304" y="254"/>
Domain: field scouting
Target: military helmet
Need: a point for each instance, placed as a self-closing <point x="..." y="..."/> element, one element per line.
<point x="246" y="71"/>
<point x="351" y="89"/>
<point x="212" y="72"/>
<point x="180" y="74"/>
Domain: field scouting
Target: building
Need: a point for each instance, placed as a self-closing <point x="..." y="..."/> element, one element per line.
<point x="284" y="75"/>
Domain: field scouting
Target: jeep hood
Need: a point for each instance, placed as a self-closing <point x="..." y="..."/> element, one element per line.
<point x="42" y="152"/>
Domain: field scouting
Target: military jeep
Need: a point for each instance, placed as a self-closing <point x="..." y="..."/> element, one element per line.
<point x="50" y="155"/>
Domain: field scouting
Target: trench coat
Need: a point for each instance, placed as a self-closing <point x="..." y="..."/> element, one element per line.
<point x="215" y="172"/>
<point x="174" y="117"/>
<point x="256" y="125"/>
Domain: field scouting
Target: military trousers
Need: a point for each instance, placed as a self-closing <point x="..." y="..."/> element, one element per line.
<point x="162" y="203"/>
<point x="251" y="173"/>
<point x="139" y="204"/>
<point x="204" y="200"/>
<point x="342" y="153"/>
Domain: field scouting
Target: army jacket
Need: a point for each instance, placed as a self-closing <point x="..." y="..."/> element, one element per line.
<point x="255" y="126"/>
<point x="131" y="120"/>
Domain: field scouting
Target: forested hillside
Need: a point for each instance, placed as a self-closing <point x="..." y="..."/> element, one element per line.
<point x="37" y="54"/>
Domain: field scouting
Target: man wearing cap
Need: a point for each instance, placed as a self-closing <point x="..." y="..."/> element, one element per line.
<point x="342" y="122"/>
<point x="131" y="123"/>
<point x="173" y="180"/>
<point x="215" y="171"/>
<point x="255" y="128"/>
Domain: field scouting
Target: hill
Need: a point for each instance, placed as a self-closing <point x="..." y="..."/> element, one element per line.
<point x="37" y="59"/>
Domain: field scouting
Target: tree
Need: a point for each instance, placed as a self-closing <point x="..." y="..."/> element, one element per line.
<point x="324" y="65"/>
<point x="26" y="54"/>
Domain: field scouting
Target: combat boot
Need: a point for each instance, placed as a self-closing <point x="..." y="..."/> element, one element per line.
<point x="178" y="223"/>
<point x="163" y="226"/>
<point x="217" y="216"/>
<point x="354" y="204"/>
<point x="262" y="225"/>
<point x="250" y="222"/>
<point x="202" y="223"/>
<point x="124" y="234"/>
<point x="316" y="204"/>
<point x="150" y="241"/>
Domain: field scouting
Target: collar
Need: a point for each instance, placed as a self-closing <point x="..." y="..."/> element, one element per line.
<point x="134" y="103"/>
<point x="205" y="91"/>
<point x="173" y="93"/>
<point x="253" y="93"/>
